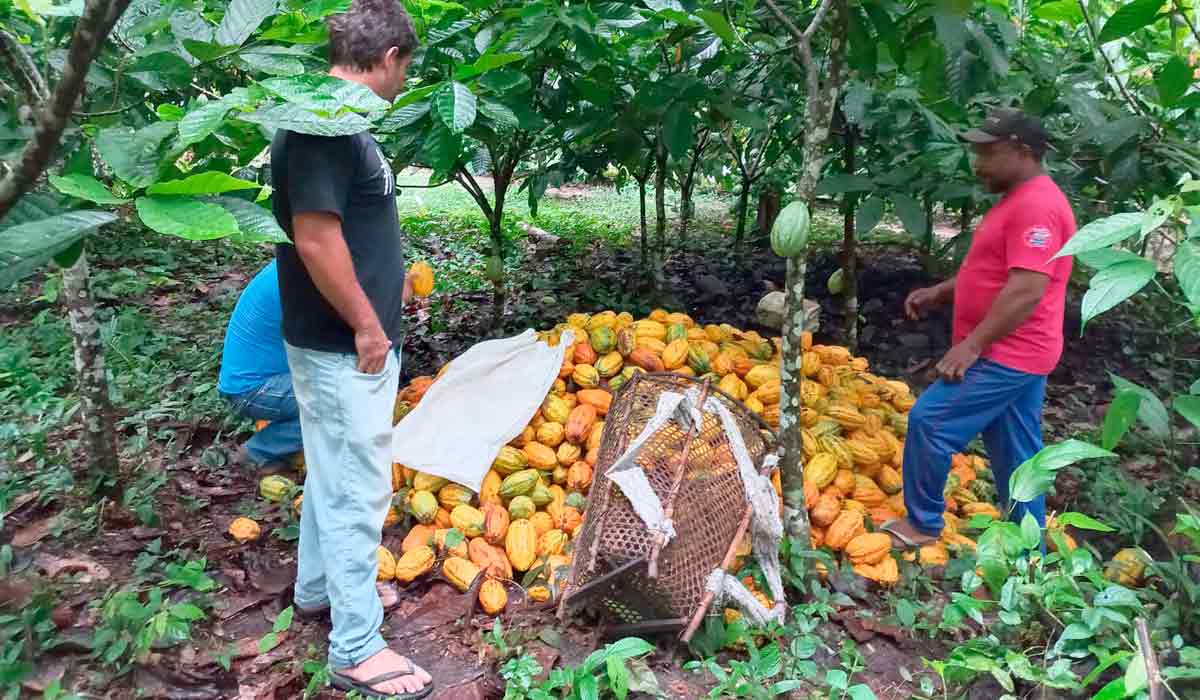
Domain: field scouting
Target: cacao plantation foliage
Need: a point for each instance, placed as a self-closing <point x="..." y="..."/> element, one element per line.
<point x="128" y="116"/>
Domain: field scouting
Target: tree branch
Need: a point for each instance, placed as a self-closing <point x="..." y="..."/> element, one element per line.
<point x="93" y="27"/>
<point x="1187" y="20"/>
<point x="23" y="69"/>
<point x="1133" y="103"/>
<point x="818" y="18"/>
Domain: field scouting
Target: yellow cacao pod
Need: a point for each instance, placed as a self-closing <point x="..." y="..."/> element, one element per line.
<point x="754" y="404"/>
<point x="675" y="355"/>
<point x="542" y="522"/>
<point x="495" y="523"/>
<point x="552" y="542"/>
<point x="415" y="562"/>
<point x="568" y="454"/>
<point x="555" y="409"/>
<point x="626" y="342"/>
<point x="769" y="392"/>
<point x="837" y="447"/>
<point x="760" y="375"/>
<point x="826" y="510"/>
<point x="810" y="364"/>
<point x="489" y="491"/>
<point x="511" y="460"/>
<point x="885" y="573"/>
<point x="491" y="560"/>
<point x="595" y="436"/>
<point x="418" y="536"/>
<point x="538" y="593"/>
<point x="869" y="548"/>
<point x="867" y="492"/>
<point x="559" y="475"/>
<point x="440" y="539"/>
<point x="275" y="488"/>
<point x="846" y="526"/>
<point x="970" y="509"/>
<point x="821" y="470"/>
<point x="424" y="506"/>
<point x="459" y="572"/>
<point x="890" y="480"/>
<point x="244" y="530"/>
<point x="845" y="481"/>
<point x="586" y="377"/>
<point x="467" y="520"/>
<point x="492" y="597"/>
<point x="452" y="495"/>
<point x="551" y="434"/>
<point x="520" y="544"/>
<point x="428" y="482"/>
<point x="733" y="385"/>
<point x="610" y="365"/>
<point x="648" y="328"/>
<point x="386" y="569"/>
<point x="538" y="456"/>
<point x="579" y="476"/>
<point x="521" y="507"/>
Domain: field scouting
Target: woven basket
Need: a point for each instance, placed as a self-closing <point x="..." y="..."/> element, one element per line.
<point x="617" y="562"/>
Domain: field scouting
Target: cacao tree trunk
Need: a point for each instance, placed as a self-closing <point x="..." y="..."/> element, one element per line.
<point x="927" y="255"/>
<point x="496" y="235"/>
<point x="660" y="204"/>
<point x="822" y="96"/>
<point x="642" y="220"/>
<point x="686" y="188"/>
<point x="768" y="210"/>
<point x="99" y="425"/>
<point x="850" y="249"/>
<point x="742" y="207"/>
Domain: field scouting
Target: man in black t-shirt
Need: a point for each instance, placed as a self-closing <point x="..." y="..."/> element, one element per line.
<point x="342" y="289"/>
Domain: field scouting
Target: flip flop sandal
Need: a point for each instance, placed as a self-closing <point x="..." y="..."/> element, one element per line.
<point x="901" y="540"/>
<point x="366" y="688"/>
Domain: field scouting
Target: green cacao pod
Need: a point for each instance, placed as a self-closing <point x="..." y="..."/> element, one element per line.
<point x="789" y="235"/>
<point x="521" y="507"/>
<point x="603" y="339"/>
<point x="835" y="284"/>
<point x="495" y="269"/>
<point x="519" y="484"/>
<point x="424" y="507"/>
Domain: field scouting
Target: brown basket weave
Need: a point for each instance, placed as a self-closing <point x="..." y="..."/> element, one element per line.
<point x="617" y="561"/>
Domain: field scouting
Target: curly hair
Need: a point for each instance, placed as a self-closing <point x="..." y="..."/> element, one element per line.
<point x="360" y="37"/>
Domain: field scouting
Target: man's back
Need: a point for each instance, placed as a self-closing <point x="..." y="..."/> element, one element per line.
<point x="346" y="176"/>
<point x="253" y="348"/>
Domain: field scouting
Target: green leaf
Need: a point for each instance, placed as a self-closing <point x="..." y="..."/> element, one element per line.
<point x="326" y="94"/>
<point x="454" y="538"/>
<point x="403" y="117"/>
<point x="1083" y="522"/>
<point x="202" y="183"/>
<point x="1113" y="285"/>
<point x="906" y="612"/>
<point x="1102" y="233"/>
<point x="1173" y="80"/>
<point x="842" y="183"/>
<point x="1103" y="257"/>
<point x="441" y="147"/>
<point x="135" y="156"/>
<point x="836" y="678"/>
<point x="1121" y="414"/>
<point x="85" y="187"/>
<point x="1035" y="476"/>
<point x="70" y="256"/>
<point x="1114" y="690"/>
<point x="861" y="691"/>
<point x="161" y="71"/>
<point x="718" y="25"/>
<point x="25" y="247"/>
<point x="185" y="217"/>
<point x="1060" y="11"/>
<point x="868" y="215"/>
<point x="268" y="642"/>
<point x="505" y="81"/>
<point x="1152" y="413"/>
<point x="1117" y="597"/>
<point x="455" y="104"/>
<point x="295" y="118"/>
<point x="284" y="621"/>
<point x="1031" y="532"/>
<point x="1187" y="269"/>
<point x="499" y="113"/>
<point x="618" y="677"/>
<point x="1130" y="17"/>
<point x="587" y="688"/>
<point x="1188" y="406"/>
<point x="272" y="60"/>
<point x="628" y="648"/>
<point x="187" y="611"/>
<point x="911" y="214"/>
<point x="241" y="19"/>
<point x="678" y="128"/>
<point x="198" y="123"/>
<point x="486" y="63"/>
<point x="208" y="51"/>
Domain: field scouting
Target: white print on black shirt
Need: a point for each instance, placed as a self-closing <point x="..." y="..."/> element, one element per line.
<point x="385" y="169"/>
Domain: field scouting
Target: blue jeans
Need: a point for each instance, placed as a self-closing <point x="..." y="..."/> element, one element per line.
<point x="347" y="419"/>
<point x="1001" y="403"/>
<point x="273" y="401"/>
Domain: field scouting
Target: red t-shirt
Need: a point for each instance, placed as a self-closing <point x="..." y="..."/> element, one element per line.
<point x="1024" y="230"/>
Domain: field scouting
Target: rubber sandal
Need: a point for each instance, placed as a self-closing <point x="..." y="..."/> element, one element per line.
<point x="320" y="612"/>
<point x="901" y="540"/>
<point x="366" y="688"/>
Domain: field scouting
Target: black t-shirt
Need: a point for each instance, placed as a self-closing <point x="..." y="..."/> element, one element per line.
<point x="347" y="176"/>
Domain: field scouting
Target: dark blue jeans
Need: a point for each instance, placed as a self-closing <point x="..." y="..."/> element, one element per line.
<point x="274" y="401"/>
<point x="1001" y="403"/>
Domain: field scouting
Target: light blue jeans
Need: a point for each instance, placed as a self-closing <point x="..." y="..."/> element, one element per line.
<point x="273" y="401"/>
<point x="347" y="421"/>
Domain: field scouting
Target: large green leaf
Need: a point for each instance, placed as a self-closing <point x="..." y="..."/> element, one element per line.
<point x="841" y="183"/>
<point x="499" y="113"/>
<point x="455" y="104"/>
<point x="241" y="19"/>
<point x="1152" y="413"/>
<point x="1102" y="233"/>
<point x="441" y="147"/>
<point x="718" y="25"/>
<point x="1060" y="11"/>
<point x="274" y="60"/>
<point x="25" y="247"/>
<point x="1187" y="269"/>
<point x="1113" y="285"/>
<point x="678" y="128"/>
<point x="255" y="223"/>
<point x="911" y="213"/>
<point x="1101" y="258"/>
<point x="186" y="217"/>
<point x="202" y="183"/>
<point x="161" y="71"/>
<point x="1172" y="80"/>
<point x="868" y="215"/>
<point x="1130" y="17"/>
<point x="1121" y="414"/>
<point x="1188" y="407"/>
<point x="135" y="156"/>
<point x="85" y="187"/>
<point x="505" y="81"/>
<point x="295" y="118"/>
<point x="405" y="116"/>
<point x="486" y="63"/>
<point x="324" y="93"/>
<point x="1036" y="475"/>
<point x="201" y="121"/>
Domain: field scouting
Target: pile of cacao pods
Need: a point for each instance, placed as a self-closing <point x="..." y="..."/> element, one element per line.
<point x="532" y="500"/>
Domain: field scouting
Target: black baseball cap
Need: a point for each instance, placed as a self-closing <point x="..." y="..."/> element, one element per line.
<point x="1010" y="125"/>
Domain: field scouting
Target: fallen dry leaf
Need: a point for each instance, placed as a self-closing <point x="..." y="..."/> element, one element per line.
<point x="53" y="566"/>
<point x="34" y="532"/>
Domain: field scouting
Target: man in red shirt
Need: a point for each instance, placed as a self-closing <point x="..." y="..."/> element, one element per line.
<point x="1009" y="298"/>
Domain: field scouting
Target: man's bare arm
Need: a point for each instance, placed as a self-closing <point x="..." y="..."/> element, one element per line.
<point x="323" y="250"/>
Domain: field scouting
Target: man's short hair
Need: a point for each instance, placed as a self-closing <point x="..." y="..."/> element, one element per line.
<point x="360" y="37"/>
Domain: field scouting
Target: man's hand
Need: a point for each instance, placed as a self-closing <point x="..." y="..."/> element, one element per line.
<point x="957" y="361"/>
<point x="921" y="300"/>
<point x="407" y="295"/>
<point x="372" y="346"/>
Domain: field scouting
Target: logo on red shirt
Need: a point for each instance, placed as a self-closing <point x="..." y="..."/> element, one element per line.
<point x="1038" y="237"/>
